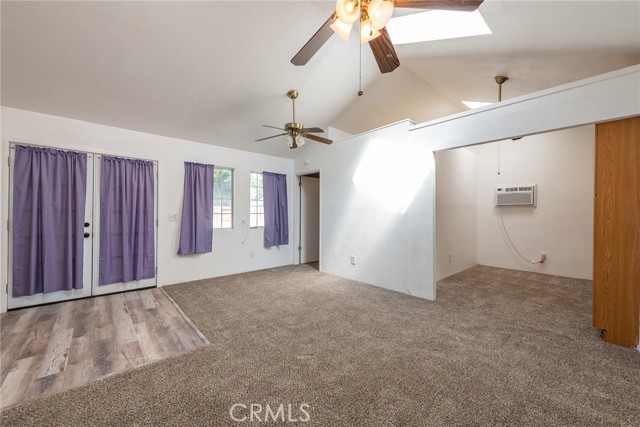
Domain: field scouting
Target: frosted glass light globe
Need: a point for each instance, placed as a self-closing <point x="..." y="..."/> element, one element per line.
<point x="348" y="10"/>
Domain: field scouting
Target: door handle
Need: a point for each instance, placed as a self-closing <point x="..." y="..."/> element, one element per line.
<point x="87" y="235"/>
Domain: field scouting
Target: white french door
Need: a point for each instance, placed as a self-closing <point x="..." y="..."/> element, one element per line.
<point x="42" y="298"/>
<point x="122" y="286"/>
<point x="91" y="247"/>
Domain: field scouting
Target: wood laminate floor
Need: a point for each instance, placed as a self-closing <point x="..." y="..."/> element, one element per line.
<point x="54" y="347"/>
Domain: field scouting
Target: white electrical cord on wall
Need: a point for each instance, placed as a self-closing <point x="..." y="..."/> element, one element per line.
<point x="246" y="232"/>
<point x="540" y="261"/>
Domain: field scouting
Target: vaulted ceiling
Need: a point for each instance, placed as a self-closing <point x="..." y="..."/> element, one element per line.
<point x="215" y="71"/>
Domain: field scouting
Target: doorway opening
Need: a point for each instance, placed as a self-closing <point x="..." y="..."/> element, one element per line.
<point x="309" y="224"/>
<point x="552" y="234"/>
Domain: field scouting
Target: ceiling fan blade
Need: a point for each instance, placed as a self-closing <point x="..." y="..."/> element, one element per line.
<point x="315" y="43"/>
<point x="274" y="136"/>
<point x="273" y="127"/>
<point x="459" y="5"/>
<point x="317" y="138"/>
<point x="383" y="51"/>
<point x="312" y="130"/>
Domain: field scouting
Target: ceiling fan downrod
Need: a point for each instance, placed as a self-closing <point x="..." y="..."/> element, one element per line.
<point x="294" y="128"/>
<point x="293" y="94"/>
<point x="500" y="80"/>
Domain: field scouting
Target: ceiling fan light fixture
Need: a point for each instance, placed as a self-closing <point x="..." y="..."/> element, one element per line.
<point x="342" y="29"/>
<point x="288" y="140"/>
<point x="380" y="12"/>
<point x="368" y="31"/>
<point x="300" y="141"/>
<point x="348" y="10"/>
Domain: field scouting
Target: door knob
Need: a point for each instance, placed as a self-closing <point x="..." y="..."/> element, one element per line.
<point x="87" y="235"/>
<point x="86" y="224"/>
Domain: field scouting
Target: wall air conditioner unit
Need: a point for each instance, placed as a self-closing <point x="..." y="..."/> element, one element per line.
<point x="512" y="195"/>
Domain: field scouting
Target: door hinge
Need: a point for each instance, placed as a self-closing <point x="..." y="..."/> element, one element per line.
<point x="6" y="289"/>
<point x="299" y="248"/>
<point x="7" y="225"/>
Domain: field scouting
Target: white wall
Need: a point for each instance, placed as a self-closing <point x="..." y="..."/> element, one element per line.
<point x="601" y="98"/>
<point x="562" y="165"/>
<point x="337" y="134"/>
<point x="456" y="211"/>
<point x="372" y="203"/>
<point x="229" y="254"/>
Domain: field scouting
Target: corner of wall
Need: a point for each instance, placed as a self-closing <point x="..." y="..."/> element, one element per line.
<point x="456" y="211"/>
<point x="4" y="206"/>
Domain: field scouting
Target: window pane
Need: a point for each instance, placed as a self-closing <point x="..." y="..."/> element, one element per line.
<point x="256" y="211"/>
<point x="222" y="198"/>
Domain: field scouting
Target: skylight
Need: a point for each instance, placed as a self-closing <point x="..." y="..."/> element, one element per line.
<point x="436" y="25"/>
<point x="476" y="104"/>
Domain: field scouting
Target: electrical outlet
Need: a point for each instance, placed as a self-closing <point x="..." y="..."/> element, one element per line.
<point x="173" y="217"/>
<point x="543" y="256"/>
<point x="353" y="260"/>
<point x="450" y="256"/>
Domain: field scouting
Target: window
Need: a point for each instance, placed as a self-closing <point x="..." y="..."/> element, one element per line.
<point x="222" y="198"/>
<point x="256" y="208"/>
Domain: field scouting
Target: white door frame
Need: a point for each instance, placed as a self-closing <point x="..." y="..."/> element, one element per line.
<point x="299" y="215"/>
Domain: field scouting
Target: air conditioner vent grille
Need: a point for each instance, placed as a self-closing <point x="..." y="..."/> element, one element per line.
<point x="516" y="195"/>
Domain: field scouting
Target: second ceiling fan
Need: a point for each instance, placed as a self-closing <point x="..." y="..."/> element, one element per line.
<point x="373" y="16"/>
<point x="294" y="132"/>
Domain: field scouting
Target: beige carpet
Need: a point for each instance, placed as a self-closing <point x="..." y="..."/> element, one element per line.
<point x="499" y="347"/>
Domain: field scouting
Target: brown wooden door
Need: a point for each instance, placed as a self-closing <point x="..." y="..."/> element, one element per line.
<point x="616" y="275"/>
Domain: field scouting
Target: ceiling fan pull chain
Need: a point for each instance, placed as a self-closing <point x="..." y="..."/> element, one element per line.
<point x="360" y="47"/>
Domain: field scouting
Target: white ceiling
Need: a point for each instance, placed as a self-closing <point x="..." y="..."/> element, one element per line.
<point x="214" y="71"/>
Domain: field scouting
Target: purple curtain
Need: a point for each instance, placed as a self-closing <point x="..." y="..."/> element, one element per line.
<point x="276" y="213"/>
<point x="196" y="230"/>
<point x="127" y="241"/>
<point x="49" y="196"/>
